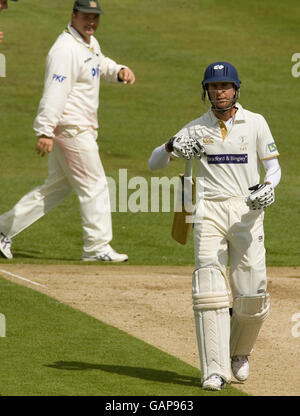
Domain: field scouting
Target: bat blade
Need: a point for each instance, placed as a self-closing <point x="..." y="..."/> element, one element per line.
<point x="181" y="229"/>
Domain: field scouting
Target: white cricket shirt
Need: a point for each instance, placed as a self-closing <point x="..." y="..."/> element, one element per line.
<point x="233" y="158"/>
<point x="72" y="83"/>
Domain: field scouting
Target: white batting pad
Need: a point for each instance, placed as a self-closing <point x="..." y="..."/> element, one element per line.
<point x="212" y="320"/>
<point x="249" y="313"/>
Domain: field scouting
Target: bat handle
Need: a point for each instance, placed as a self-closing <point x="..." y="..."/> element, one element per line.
<point x="188" y="171"/>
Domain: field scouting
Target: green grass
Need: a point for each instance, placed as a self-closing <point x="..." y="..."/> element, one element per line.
<point x="168" y="44"/>
<point x="51" y="349"/>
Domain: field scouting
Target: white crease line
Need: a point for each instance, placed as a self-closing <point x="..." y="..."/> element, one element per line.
<point x="22" y="278"/>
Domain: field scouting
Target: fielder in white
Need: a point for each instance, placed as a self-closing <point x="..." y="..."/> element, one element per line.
<point x="66" y="126"/>
<point x="229" y="144"/>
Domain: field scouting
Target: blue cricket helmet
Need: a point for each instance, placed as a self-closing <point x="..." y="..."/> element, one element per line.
<point x="221" y="72"/>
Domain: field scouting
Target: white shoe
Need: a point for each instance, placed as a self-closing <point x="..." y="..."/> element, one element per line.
<point x="213" y="382"/>
<point x="240" y="367"/>
<point x="109" y="256"/>
<point x="5" y="246"/>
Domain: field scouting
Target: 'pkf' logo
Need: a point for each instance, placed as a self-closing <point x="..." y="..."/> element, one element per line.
<point x="59" y="78"/>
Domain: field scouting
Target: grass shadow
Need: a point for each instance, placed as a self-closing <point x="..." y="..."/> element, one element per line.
<point x="136" y="372"/>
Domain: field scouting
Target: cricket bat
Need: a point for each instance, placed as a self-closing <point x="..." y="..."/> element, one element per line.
<point x="181" y="229"/>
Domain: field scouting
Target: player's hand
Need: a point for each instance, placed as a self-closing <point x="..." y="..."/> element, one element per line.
<point x="1" y="36"/>
<point x="126" y="75"/>
<point x="44" y="145"/>
<point x="185" y="147"/>
<point x="262" y="196"/>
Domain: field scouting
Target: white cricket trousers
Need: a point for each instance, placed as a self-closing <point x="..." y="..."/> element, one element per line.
<point x="228" y="233"/>
<point x="74" y="164"/>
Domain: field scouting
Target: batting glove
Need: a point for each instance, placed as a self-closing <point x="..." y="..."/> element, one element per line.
<point x="262" y="196"/>
<point x="185" y="147"/>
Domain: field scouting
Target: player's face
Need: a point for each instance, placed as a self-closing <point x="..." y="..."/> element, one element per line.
<point x="85" y="23"/>
<point x="3" y="5"/>
<point x="221" y="93"/>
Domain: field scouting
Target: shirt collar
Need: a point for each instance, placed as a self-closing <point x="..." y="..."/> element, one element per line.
<point x="239" y="115"/>
<point x="77" y="36"/>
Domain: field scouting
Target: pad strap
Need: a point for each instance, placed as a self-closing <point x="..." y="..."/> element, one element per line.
<point x="207" y="301"/>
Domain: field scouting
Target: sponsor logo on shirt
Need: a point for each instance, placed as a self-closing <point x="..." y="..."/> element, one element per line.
<point x="227" y="158"/>
<point x="272" y="147"/>
<point x="96" y="71"/>
<point x="244" y="142"/>
<point x="243" y="139"/>
<point x="59" y="78"/>
<point x="208" y="140"/>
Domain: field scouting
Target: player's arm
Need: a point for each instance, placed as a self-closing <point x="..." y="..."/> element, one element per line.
<point x="182" y="144"/>
<point x="126" y="75"/>
<point x="273" y="171"/>
<point x="263" y="195"/>
<point x="61" y="73"/>
<point x="111" y="71"/>
<point x="160" y="157"/>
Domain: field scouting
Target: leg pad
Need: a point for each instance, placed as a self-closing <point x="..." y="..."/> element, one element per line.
<point x="249" y="313"/>
<point x="212" y="320"/>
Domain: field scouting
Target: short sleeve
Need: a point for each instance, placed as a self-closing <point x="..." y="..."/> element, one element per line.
<point x="266" y="146"/>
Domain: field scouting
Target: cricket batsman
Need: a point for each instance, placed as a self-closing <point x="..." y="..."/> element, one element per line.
<point x="229" y="144"/>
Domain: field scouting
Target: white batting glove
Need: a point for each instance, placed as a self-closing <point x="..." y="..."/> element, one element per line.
<point x="186" y="147"/>
<point x="262" y="196"/>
